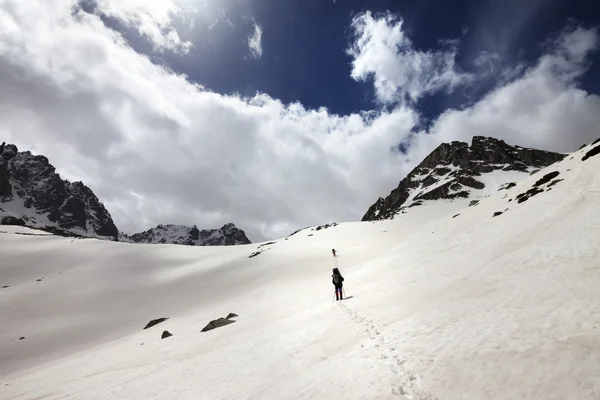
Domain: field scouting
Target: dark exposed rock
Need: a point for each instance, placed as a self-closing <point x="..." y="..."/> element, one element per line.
<point x="546" y="178"/>
<point x="254" y="254"/>
<point x="22" y="338"/>
<point x="595" y="141"/>
<point x="535" y="171"/>
<point x="528" y="194"/>
<point x="231" y="315"/>
<point x="265" y="244"/>
<point x="318" y="228"/>
<point x="461" y="163"/>
<point x="497" y="213"/>
<point x="442" y="171"/>
<point x="9" y="220"/>
<point x="430" y="180"/>
<point x="554" y="182"/>
<point x="166" y="334"/>
<point x="455" y="215"/>
<point x="507" y="186"/>
<point x="517" y="166"/>
<point x="582" y="146"/>
<point x="155" y="322"/>
<point x="69" y="206"/>
<point x="39" y="280"/>
<point x="592" y="152"/>
<point x="217" y="323"/>
<point x="227" y="235"/>
<point x="473" y="203"/>
<point x="5" y="286"/>
<point x="6" y="155"/>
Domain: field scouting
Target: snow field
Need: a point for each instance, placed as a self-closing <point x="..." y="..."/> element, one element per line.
<point x="471" y="307"/>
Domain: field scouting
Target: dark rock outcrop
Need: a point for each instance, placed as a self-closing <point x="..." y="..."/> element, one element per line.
<point x="48" y="198"/>
<point x="546" y="178"/>
<point x="227" y="235"/>
<point x="10" y="220"/>
<point x="451" y="171"/>
<point x="217" y="323"/>
<point x="155" y="322"/>
<point x="231" y="315"/>
<point x="593" y="152"/>
<point x="166" y="334"/>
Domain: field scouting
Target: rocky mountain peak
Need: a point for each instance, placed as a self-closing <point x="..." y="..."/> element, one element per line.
<point x="227" y="235"/>
<point x="450" y="172"/>
<point x="31" y="189"/>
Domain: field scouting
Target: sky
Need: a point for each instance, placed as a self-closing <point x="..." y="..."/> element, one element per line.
<point x="281" y="115"/>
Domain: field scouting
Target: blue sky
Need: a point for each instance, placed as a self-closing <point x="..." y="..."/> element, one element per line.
<point x="304" y="45"/>
<point x="277" y="115"/>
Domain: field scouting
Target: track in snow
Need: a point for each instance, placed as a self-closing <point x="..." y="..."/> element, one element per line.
<point x="383" y="344"/>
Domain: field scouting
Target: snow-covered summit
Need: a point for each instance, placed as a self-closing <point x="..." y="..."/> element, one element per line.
<point x="33" y="194"/>
<point x="227" y="235"/>
<point x="458" y="171"/>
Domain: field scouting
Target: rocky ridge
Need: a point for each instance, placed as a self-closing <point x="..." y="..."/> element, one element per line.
<point x="32" y="194"/>
<point x="457" y="170"/>
<point x="227" y="235"/>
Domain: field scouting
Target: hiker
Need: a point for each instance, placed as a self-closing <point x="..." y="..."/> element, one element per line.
<point x="333" y="252"/>
<point x="337" y="280"/>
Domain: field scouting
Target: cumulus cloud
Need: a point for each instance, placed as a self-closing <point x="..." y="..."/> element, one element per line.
<point x="383" y="52"/>
<point x="153" y="19"/>
<point x="542" y="108"/>
<point x="157" y="148"/>
<point x="255" y="41"/>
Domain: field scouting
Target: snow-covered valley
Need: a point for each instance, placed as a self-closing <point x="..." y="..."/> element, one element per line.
<point x="497" y="300"/>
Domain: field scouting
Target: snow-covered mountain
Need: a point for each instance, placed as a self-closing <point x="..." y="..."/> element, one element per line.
<point x="33" y="194"/>
<point x="457" y="171"/>
<point x="227" y="235"/>
<point x="496" y="301"/>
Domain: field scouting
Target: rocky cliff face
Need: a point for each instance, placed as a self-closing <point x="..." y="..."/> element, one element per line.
<point x="457" y="170"/>
<point x="227" y="235"/>
<point x="31" y="190"/>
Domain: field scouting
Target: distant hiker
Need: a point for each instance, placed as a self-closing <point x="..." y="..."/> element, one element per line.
<point x="333" y="252"/>
<point x="337" y="280"/>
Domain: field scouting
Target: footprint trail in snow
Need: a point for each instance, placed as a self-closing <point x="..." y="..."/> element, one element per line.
<point x="407" y="386"/>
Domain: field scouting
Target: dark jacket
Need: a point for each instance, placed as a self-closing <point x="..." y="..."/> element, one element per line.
<point x="337" y="278"/>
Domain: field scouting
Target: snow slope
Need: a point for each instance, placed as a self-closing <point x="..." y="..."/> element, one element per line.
<point x="442" y="306"/>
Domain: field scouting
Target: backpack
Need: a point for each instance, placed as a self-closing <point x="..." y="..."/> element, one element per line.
<point x="337" y="278"/>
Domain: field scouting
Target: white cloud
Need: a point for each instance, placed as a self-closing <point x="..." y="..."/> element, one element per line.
<point x="383" y="52"/>
<point x="159" y="149"/>
<point x="543" y="108"/>
<point x="152" y="18"/>
<point x="255" y="41"/>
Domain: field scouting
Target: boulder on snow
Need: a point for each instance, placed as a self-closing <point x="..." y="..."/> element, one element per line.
<point x="546" y="178"/>
<point x="217" y="323"/>
<point x="591" y="153"/>
<point x="166" y="334"/>
<point x="155" y="322"/>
